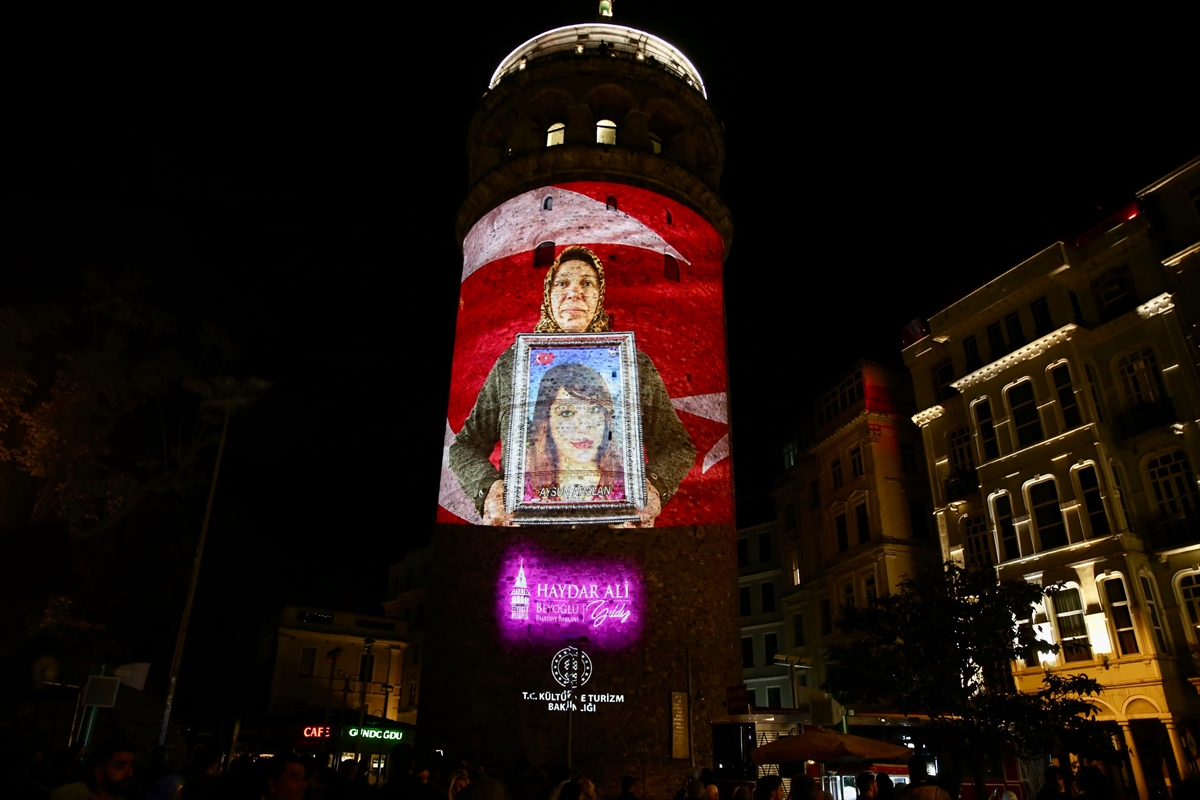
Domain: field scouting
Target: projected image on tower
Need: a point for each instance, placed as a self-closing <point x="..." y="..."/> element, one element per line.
<point x="577" y="260"/>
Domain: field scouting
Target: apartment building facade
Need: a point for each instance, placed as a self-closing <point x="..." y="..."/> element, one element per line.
<point x="1059" y="412"/>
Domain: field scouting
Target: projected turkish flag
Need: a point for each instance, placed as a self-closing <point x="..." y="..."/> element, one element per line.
<point x="662" y="264"/>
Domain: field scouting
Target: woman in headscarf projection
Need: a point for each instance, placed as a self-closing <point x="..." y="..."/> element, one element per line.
<point x="571" y="454"/>
<point x="572" y="302"/>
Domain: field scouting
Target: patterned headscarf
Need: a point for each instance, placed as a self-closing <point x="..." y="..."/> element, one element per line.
<point x="600" y="322"/>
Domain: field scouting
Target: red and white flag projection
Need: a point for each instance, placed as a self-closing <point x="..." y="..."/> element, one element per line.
<point x="579" y="258"/>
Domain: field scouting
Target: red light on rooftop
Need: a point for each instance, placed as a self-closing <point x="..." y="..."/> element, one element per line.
<point x="1131" y="216"/>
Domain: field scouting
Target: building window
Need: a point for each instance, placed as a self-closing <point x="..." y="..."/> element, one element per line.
<point x="1094" y="389"/>
<point x="943" y="377"/>
<point x="556" y="134"/>
<point x="744" y="601"/>
<point x="747" y="652"/>
<point x="798" y="639"/>
<point x="751" y="698"/>
<point x="977" y="541"/>
<point x="1072" y="630"/>
<point x="971" y="352"/>
<point x="656" y="148"/>
<point x="848" y="595"/>
<point x="790" y="452"/>
<point x="1189" y="599"/>
<point x="543" y="255"/>
<point x="856" y="462"/>
<point x="1016" y="334"/>
<point x="995" y="336"/>
<point x="764" y="544"/>
<point x="862" y="521"/>
<point x="843" y="533"/>
<point x="795" y="569"/>
<point x="987" y="431"/>
<point x="670" y="268"/>
<point x="1093" y="504"/>
<point x="869" y="590"/>
<point x="366" y="667"/>
<point x="918" y="519"/>
<point x="789" y="519"/>
<point x="814" y="494"/>
<point x="1076" y="309"/>
<point x="412" y="694"/>
<point x="1027" y="423"/>
<point x="1042" y="324"/>
<point x="1047" y="514"/>
<point x="308" y="660"/>
<point x="1006" y="532"/>
<point x="1067" y="404"/>
<point x="768" y="597"/>
<point x="847" y="393"/>
<point x="827" y="617"/>
<point x="1152" y="613"/>
<point x="962" y="461"/>
<point x="835" y="470"/>
<point x="1122" y="617"/>
<point x="606" y="132"/>
<point x="1114" y="293"/>
<point x="548" y="204"/>
<point x="416" y="653"/>
<point x="1174" y="486"/>
<point x="774" y="697"/>
<point x="1140" y="378"/>
<point x="908" y="458"/>
<point x="770" y="647"/>
<point x="743" y="550"/>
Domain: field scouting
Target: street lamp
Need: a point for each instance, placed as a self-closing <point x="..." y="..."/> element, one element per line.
<point x="219" y="393"/>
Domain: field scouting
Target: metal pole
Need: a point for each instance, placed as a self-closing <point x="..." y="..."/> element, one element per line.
<point x="571" y="702"/>
<point x="332" y="675"/>
<point x="191" y="593"/>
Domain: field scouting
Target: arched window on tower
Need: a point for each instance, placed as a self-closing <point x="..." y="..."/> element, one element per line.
<point x="610" y="203"/>
<point x="655" y="143"/>
<point x="670" y="267"/>
<point x="548" y="203"/>
<point x="606" y="132"/>
<point x="556" y="134"/>
<point x="670" y="221"/>
<point x="543" y="255"/>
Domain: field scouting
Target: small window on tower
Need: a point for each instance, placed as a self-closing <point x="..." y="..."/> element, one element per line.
<point x="670" y="268"/>
<point x="548" y="204"/>
<point x="556" y="134"/>
<point x="670" y="221"/>
<point x="543" y="255"/>
<point x="655" y="143"/>
<point x="606" y="132"/>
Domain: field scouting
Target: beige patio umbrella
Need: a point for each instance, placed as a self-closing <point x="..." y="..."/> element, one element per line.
<point x="823" y="745"/>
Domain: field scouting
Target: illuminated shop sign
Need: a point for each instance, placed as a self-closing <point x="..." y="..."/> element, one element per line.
<point x="643" y="441"/>
<point x="374" y="733"/>
<point x="542" y="599"/>
<point x="317" y="732"/>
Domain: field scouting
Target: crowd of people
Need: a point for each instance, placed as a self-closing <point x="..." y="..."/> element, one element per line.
<point x="111" y="772"/>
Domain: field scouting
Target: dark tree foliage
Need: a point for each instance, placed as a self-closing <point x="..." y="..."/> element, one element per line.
<point x="943" y="647"/>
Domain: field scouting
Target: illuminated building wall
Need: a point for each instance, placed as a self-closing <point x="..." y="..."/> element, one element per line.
<point x="598" y="165"/>
<point x="1058" y="406"/>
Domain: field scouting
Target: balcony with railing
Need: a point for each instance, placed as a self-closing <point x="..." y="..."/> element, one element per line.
<point x="1146" y="417"/>
<point x="1175" y="530"/>
<point x="960" y="485"/>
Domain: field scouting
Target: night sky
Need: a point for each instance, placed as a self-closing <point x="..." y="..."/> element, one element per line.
<point x="296" y="179"/>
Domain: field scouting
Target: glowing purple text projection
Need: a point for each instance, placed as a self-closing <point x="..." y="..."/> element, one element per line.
<point x="542" y="600"/>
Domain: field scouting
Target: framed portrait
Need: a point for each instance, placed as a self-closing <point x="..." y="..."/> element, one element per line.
<point x="575" y="434"/>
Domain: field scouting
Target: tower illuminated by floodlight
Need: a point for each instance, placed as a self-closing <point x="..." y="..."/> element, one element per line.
<point x="587" y="469"/>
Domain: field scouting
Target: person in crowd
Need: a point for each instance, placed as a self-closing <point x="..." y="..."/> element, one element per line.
<point x="1055" y="787"/>
<point x="864" y="784"/>
<point x="459" y="780"/>
<point x="804" y="787"/>
<point x="587" y="789"/>
<point x="108" y="774"/>
<point x="743" y="792"/>
<point x="204" y="761"/>
<point x="627" y="784"/>
<point x="922" y="785"/>
<point x="711" y="792"/>
<point x="769" y="787"/>
<point x="287" y="778"/>
<point x="885" y="789"/>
